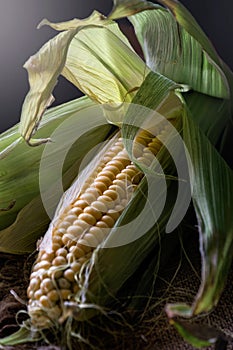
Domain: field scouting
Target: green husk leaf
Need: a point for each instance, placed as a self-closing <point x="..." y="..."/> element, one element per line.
<point x="180" y="55"/>
<point x="43" y="70"/>
<point x="187" y="21"/>
<point x="141" y="118"/>
<point x="213" y="114"/>
<point x="159" y="86"/>
<point x="138" y="295"/>
<point x="212" y="184"/>
<point x="123" y="8"/>
<point x="33" y="216"/>
<point x="4" y="153"/>
<point x="167" y="105"/>
<point x="28" y="210"/>
<point x="14" y="178"/>
<point x="213" y="199"/>
<point x="210" y="113"/>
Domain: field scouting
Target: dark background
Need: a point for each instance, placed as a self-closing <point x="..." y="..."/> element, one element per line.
<point x="20" y="39"/>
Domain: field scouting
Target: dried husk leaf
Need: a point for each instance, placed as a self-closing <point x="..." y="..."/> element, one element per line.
<point x="43" y="70"/>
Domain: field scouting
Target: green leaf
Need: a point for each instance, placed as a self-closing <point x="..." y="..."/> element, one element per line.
<point x="21" y="185"/>
<point x="137" y="117"/>
<point x="188" y="22"/>
<point x="160" y="103"/>
<point x="210" y="113"/>
<point x="212" y="185"/>
<point x="213" y="199"/>
<point x="20" y="166"/>
<point x="179" y="55"/>
<point x="212" y="182"/>
<point x="186" y="49"/>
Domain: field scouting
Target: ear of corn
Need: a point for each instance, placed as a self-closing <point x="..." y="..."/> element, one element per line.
<point x="56" y="289"/>
<point x="80" y="266"/>
<point x="65" y="277"/>
<point x="83" y="221"/>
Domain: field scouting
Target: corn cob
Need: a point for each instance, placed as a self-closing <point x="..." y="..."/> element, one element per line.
<point x="83" y="225"/>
